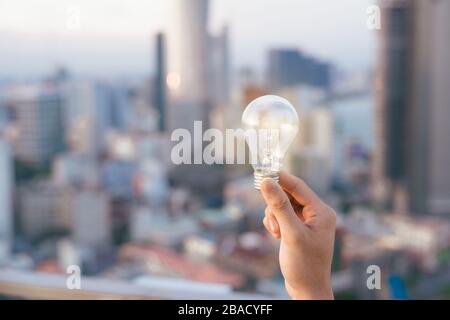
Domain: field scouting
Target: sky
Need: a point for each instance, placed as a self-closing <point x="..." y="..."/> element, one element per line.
<point x="114" y="37"/>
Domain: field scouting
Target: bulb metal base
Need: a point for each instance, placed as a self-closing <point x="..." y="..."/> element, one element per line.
<point x="259" y="177"/>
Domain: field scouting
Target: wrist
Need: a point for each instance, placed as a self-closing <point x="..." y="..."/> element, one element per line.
<point x="318" y="292"/>
<point x="326" y="294"/>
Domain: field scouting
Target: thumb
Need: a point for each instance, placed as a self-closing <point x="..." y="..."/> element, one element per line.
<point x="281" y="207"/>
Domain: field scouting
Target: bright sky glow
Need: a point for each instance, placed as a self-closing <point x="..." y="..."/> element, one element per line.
<point x="115" y="36"/>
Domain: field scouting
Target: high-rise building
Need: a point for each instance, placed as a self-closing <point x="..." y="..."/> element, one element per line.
<point x="6" y="219"/>
<point x="413" y="107"/>
<point x="189" y="98"/>
<point x="289" y="67"/>
<point x="187" y="77"/>
<point x="159" y="87"/>
<point x="39" y="115"/>
<point x="93" y="108"/>
<point x="219" y="57"/>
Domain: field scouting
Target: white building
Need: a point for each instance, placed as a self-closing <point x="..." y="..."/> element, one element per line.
<point x="187" y="76"/>
<point x="219" y="73"/>
<point x="189" y="91"/>
<point x="311" y="155"/>
<point x="317" y="130"/>
<point x="187" y="50"/>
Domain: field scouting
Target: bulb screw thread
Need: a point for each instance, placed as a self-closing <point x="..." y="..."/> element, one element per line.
<point x="259" y="177"/>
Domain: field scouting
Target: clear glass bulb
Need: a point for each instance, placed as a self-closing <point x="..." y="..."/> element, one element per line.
<point x="271" y="124"/>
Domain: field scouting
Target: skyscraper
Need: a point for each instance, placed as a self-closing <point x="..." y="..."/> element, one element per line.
<point x="6" y="223"/>
<point x="428" y="127"/>
<point x="188" y="63"/>
<point x="413" y="107"/>
<point x="188" y="76"/>
<point x="159" y="87"/>
<point x="391" y="99"/>
<point x="39" y="115"/>
<point x="219" y="57"/>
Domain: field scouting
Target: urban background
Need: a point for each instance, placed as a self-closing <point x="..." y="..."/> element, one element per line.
<point x="90" y="92"/>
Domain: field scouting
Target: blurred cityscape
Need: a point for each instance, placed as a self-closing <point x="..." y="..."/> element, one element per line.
<point x="86" y="177"/>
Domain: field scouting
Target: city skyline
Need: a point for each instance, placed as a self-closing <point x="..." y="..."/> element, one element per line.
<point x="124" y="33"/>
<point x="122" y="149"/>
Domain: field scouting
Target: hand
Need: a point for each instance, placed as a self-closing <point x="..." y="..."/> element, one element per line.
<point x="306" y="227"/>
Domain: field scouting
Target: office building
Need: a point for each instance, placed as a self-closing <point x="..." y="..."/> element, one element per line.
<point x="189" y="98"/>
<point x="6" y="184"/>
<point x="290" y="67"/>
<point x="39" y="115"/>
<point x="219" y="57"/>
<point x="413" y="107"/>
<point x="187" y="77"/>
<point x="159" y="87"/>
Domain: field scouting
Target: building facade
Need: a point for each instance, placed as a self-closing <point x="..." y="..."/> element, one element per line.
<point x="6" y="184"/>
<point x="413" y="108"/>
<point x="39" y="114"/>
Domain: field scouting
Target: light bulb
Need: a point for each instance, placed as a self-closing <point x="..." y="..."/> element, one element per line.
<point x="271" y="124"/>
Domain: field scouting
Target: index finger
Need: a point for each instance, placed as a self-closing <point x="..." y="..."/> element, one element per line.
<point x="298" y="188"/>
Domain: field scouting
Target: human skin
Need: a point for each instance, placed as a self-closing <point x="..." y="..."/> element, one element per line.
<point x="306" y="227"/>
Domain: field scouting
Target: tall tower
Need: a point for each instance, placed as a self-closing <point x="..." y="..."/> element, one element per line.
<point x="428" y="149"/>
<point x="219" y="57"/>
<point x="413" y="107"/>
<point x="391" y="100"/>
<point x="160" y="96"/>
<point x="6" y="223"/>
<point x="189" y="98"/>
<point x="187" y="77"/>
